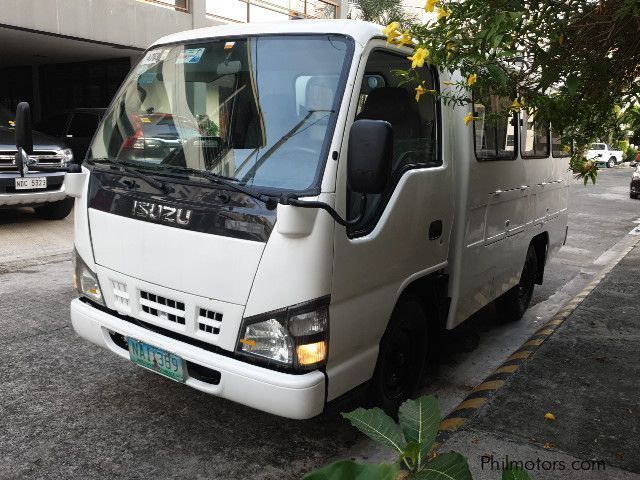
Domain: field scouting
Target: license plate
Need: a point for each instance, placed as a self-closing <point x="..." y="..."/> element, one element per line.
<point x="156" y="359"/>
<point x="31" y="183"/>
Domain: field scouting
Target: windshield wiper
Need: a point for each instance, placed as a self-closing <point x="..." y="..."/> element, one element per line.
<point x="230" y="182"/>
<point x="155" y="183"/>
<point x="284" y="139"/>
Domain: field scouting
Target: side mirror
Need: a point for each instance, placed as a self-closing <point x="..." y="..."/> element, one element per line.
<point x="24" y="132"/>
<point x="370" y="153"/>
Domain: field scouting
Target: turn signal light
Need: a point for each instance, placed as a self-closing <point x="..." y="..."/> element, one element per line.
<point x="312" y="353"/>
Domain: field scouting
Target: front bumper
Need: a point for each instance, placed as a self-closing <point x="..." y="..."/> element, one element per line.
<point x="292" y="396"/>
<point x="11" y="197"/>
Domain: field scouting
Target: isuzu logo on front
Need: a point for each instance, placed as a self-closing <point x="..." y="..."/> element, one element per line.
<point x="156" y="212"/>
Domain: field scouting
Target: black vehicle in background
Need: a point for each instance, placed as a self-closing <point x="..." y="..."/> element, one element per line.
<point x="74" y="127"/>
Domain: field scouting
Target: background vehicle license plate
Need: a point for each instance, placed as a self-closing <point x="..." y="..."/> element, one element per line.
<point x="156" y="359"/>
<point x="31" y="183"/>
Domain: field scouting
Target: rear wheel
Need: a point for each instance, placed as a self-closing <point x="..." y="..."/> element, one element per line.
<point x="402" y="356"/>
<point x="55" y="210"/>
<point x="513" y="303"/>
<point x="612" y="162"/>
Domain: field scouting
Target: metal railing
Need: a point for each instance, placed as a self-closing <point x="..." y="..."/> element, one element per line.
<point x="241" y="11"/>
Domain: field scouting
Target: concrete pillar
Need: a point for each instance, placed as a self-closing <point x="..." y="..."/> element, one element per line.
<point x="198" y="10"/>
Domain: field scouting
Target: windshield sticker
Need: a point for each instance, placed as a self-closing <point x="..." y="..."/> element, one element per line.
<point x="229" y="45"/>
<point x="190" y="55"/>
<point x="155" y="56"/>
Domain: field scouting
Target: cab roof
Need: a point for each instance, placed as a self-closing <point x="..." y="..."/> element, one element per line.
<point x="360" y="31"/>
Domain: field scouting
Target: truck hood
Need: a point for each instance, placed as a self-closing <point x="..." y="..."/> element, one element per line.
<point x="215" y="256"/>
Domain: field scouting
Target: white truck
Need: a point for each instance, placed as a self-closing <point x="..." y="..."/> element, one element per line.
<point x="318" y="230"/>
<point x="603" y="155"/>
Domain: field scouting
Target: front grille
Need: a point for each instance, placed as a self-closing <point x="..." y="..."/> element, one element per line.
<point x="209" y="321"/>
<point x="121" y="297"/>
<point x="42" y="157"/>
<point x="162" y="307"/>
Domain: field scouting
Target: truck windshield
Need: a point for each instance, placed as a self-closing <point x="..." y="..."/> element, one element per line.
<point x="260" y="110"/>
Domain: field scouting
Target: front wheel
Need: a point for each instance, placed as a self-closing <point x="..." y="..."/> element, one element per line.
<point x="513" y="303"/>
<point x="402" y="356"/>
<point x="611" y="163"/>
<point x="55" y="210"/>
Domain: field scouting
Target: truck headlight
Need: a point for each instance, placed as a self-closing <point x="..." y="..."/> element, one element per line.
<point x="85" y="281"/>
<point x="296" y="337"/>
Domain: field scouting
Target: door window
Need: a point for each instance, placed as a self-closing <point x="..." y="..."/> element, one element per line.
<point x="535" y="136"/>
<point x="495" y="134"/>
<point x="383" y="96"/>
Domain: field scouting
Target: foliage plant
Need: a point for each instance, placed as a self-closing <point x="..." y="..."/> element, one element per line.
<point x="380" y="11"/>
<point x="573" y="62"/>
<point x="413" y="441"/>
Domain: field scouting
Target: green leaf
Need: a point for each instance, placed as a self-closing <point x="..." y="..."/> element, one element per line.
<point x="349" y="470"/>
<point x="573" y="82"/>
<point x="419" y="420"/>
<point x="448" y="466"/>
<point x="412" y="453"/>
<point x="515" y="473"/>
<point x="498" y="74"/>
<point x="378" y="426"/>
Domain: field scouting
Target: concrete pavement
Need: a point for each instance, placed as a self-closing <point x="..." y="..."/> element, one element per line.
<point x="586" y="374"/>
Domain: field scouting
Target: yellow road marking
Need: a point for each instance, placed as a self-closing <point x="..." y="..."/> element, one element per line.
<point x="534" y="343"/>
<point x="451" y="424"/>
<point x="545" y="331"/>
<point x="490" y="385"/>
<point x="519" y="355"/>
<point x="472" y="403"/>
<point x="507" y="369"/>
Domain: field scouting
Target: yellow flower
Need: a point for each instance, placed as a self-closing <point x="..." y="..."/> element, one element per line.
<point x="516" y="106"/>
<point x="391" y="31"/>
<point x="406" y="38"/>
<point x="567" y="149"/>
<point x="470" y="118"/>
<point x="430" y="6"/>
<point x="420" y="90"/>
<point x="443" y="12"/>
<point x="549" y="416"/>
<point x="418" y="58"/>
<point x="473" y="78"/>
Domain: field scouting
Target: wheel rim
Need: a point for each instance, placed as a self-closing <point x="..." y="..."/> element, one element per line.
<point x="396" y="370"/>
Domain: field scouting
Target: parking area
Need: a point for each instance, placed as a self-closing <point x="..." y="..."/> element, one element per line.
<point x="72" y="411"/>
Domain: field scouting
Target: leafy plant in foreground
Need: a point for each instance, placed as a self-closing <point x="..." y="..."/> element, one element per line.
<point x="413" y="440"/>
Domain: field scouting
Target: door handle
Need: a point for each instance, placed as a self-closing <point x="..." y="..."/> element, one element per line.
<point x="435" y="230"/>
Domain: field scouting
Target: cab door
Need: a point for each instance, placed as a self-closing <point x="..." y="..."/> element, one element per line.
<point x="404" y="232"/>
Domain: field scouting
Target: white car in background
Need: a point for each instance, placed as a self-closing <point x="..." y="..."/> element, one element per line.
<point x="603" y="155"/>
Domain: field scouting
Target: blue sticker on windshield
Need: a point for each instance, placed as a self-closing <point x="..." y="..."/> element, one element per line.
<point x="190" y="55"/>
<point x="147" y="78"/>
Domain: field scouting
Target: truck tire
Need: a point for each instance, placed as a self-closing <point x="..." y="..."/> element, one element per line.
<point x="401" y="357"/>
<point x="55" y="210"/>
<point x="612" y="162"/>
<point x="512" y="304"/>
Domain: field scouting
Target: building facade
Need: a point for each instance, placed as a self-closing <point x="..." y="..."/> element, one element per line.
<point x="63" y="54"/>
